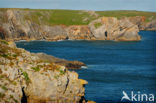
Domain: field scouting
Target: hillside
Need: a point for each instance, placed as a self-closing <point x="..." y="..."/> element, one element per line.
<point x="74" y="17"/>
<point x="53" y="25"/>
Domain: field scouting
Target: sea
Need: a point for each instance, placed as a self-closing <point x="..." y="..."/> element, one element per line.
<point x="113" y="68"/>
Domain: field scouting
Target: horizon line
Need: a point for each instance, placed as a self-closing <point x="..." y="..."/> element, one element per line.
<point x="75" y="9"/>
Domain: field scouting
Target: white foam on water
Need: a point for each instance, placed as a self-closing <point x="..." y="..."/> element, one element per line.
<point x="84" y="67"/>
<point x="60" y="40"/>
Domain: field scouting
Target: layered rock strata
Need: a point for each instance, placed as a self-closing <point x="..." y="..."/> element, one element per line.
<point x="15" y="27"/>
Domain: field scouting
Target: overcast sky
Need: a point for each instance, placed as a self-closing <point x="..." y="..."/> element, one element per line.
<point x="142" y="5"/>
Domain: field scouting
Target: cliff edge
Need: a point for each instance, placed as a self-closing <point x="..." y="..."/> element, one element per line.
<point x="26" y="78"/>
<point x="53" y="25"/>
<point x="110" y="28"/>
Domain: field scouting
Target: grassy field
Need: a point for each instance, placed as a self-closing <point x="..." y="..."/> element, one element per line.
<point x="75" y="17"/>
<point x="57" y="17"/>
<point x="124" y="13"/>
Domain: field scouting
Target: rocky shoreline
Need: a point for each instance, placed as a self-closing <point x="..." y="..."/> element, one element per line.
<point x="41" y="78"/>
<point x="62" y="62"/>
<point x="15" y="26"/>
<point x="29" y="78"/>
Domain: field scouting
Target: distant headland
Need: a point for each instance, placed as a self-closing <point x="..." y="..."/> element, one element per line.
<point x="53" y="25"/>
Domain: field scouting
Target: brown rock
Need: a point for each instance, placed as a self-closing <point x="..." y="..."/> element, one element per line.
<point x="110" y="28"/>
<point x="63" y="62"/>
<point x="79" y="33"/>
<point x="24" y="77"/>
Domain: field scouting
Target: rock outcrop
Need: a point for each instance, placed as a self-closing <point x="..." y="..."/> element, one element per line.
<point x="25" y="77"/>
<point x="63" y="62"/>
<point x="141" y="22"/>
<point x="77" y="32"/>
<point x="110" y="28"/>
<point x="16" y="25"/>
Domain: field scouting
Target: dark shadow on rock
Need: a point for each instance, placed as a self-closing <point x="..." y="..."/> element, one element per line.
<point x="24" y="98"/>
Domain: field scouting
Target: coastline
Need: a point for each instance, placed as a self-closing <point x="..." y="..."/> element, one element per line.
<point x="29" y="70"/>
<point x="16" y="25"/>
<point x="26" y="71"/>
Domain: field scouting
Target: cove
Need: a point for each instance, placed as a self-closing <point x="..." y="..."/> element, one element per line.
<point x="113" y="67"/>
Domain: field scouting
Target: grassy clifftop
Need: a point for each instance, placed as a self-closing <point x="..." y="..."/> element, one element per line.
<point x="75" y="17"/>
<point x="121" y="13"/>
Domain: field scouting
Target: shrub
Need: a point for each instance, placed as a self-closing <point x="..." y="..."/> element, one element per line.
<point x="4" y="42"/>
<point x="25" y="74"/>
<point x="14" y="55"/>
<point x="36" y="69"/>
<point x="62" y="72"/>
<point x="4" y="88"/>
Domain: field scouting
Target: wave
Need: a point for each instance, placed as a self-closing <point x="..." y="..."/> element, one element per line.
<point x="84" y="67"/>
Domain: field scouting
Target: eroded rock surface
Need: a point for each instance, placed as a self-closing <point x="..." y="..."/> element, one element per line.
<point x="17" y="25"/>
<point x="110" y="28"/>
<point x="23" y="73"/>
<point x="63" y="62"/>
<point x="142" y="23"/>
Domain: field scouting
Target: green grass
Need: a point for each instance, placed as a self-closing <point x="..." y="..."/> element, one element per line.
<point x="25" y="74"/>
<point x="128" y="13"/>
<point x="74" y="17"/>
<point x="62" y="72"/>
<point x="1" y="76"/>
<point x="77" y="17"/>
<point x="4" y="42"/>
<point x="36" y="69"/>
<point x="57" y="17"/>
<point x="5" y="55"/>
<point x="97" y="25"/>
<point x="4" y="88"/>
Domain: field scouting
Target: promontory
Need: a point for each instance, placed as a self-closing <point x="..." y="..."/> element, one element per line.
<point x="53" y="25"/>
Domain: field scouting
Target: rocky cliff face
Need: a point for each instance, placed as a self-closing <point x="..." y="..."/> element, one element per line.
<point x="110" y="28"/>
<point x="17" y="25"/>
<point x="27" y="78"/>
<point x="141" y="22"/>
<point x="62" y="62"/>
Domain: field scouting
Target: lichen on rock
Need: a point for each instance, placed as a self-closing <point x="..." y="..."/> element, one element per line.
<point x="25" y="74"/>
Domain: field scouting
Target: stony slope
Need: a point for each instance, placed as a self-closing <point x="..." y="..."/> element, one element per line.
<point x="25" y="77"/>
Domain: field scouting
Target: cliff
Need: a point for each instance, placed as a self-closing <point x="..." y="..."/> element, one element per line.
<point x="62" y="62"/>
<point x="53" y="25"/>
<point x="141" y="22"/>
<point x="110" y="28"/>
<point x="27" y="78"/>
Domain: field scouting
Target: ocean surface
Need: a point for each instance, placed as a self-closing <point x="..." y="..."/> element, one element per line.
<point x="113" y="67"/>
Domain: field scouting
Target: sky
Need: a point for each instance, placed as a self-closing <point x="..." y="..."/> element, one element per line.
<point x="98" y="5"/>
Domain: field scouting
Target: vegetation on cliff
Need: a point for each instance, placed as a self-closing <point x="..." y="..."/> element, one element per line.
<point x="27" y="75"/>
<point x="149" y="16"/>
<point x="74" y="17"/>
<point x="53" y="25"/>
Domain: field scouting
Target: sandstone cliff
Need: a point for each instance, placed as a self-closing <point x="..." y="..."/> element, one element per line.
<point x="19" y="24"/>
<point x="27" y="78"/>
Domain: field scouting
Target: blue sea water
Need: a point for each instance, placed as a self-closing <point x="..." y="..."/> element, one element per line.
<point x="113" y="67"/>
